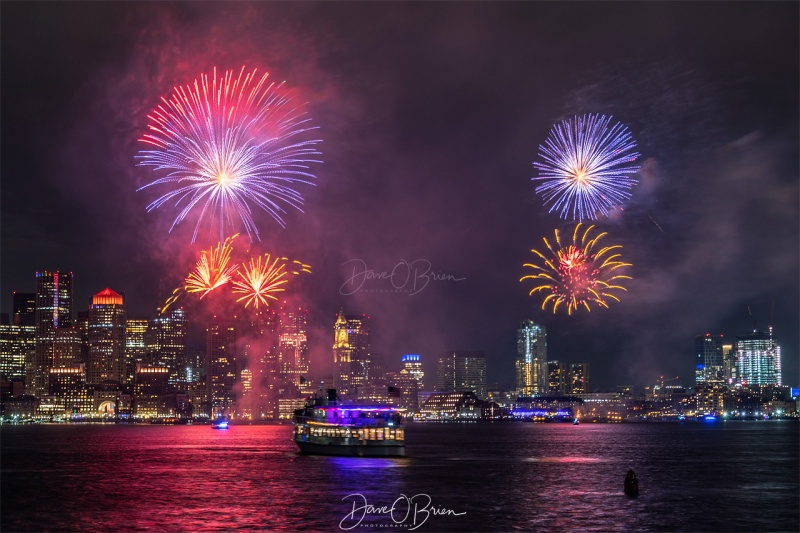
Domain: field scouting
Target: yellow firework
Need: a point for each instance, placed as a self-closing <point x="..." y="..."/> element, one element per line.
<point x="212" y="270"/>
<point x="578" y="273"/>
<point x="260" y="280"/>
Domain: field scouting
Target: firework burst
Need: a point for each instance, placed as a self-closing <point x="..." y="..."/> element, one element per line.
<point x="586" y="167"/>
<point x="259" y="281"/>
<point x="578" y="273"/>
<point x="227" y="146"/>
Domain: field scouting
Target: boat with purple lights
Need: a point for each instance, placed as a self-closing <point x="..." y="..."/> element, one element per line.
<point x="326" y="427"/>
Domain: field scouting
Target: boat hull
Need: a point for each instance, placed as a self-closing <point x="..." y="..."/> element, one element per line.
<point x="352" y="450"/>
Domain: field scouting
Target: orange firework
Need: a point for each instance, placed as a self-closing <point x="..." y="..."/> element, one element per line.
<point x="259" y="281"/>
<point x="212" y="269"/>
<point x="578" y="273"/>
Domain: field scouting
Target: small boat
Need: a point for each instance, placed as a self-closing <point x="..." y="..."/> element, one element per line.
<point x="575" y="422"/>
<point x="631" y="484"/>
<point x="220" y="423"/>
<point x="326" y="427"/>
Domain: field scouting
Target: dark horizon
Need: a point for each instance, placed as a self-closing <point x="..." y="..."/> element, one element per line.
<point x="431" y="115"/>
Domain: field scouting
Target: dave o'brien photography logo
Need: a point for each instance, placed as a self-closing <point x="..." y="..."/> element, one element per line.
<point x="409" y="277"/>
<point x="408" y="512"/>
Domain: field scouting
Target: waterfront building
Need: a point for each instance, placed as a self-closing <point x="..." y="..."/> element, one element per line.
<point x="557" y="372"/>
<point x="107" y="321"/>
<point x="151" y="385"/>
<point x="462" y="371"/>
<point x="68" y="386"/>
<point x="351" y="353"/>
<point x="710" y="398"/>
<point x="221" y="362"/>
<point x="759" y="358"/>
<point x="531" y="363"/>
<point x="54" y="306"/>
<point x="709" y="359"/>
<point x="452" y="405"/>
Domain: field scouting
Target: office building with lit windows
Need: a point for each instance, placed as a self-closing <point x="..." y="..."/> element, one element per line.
<point x="578" y="379"/>
<point x="531" y="364"/>
<point x="24" y="308"/>
<point x="16" y="343"/>
<point x="151" y="386"/>
<point x="412" y="364"/>
<point x="221" y="366"/>
<point x="107" y="323"/>
<point x="557" y="377"/>
<point x="135" y="345"/>
<point x="709" y="359"/>
<point x="68" y="386"/>
<point x="759" y="358"/>
<point x="165" y="341"/>
<point x="292" y="353"/>
<point x="54" y="306"/>
<point x="462" y="371"/>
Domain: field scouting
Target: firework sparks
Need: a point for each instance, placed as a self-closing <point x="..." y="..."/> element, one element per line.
<point x="585" y="169"/>
<point x="578" y="273"/>
<point x="229" y="145"/>
<point x="212" y="270"/>
<point x="259" y="281"/>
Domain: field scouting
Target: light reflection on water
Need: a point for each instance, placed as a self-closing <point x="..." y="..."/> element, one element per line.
<point x="543" y="477"/>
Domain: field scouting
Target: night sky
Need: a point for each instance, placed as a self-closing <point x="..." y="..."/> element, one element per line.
<point x="431" y="115"/>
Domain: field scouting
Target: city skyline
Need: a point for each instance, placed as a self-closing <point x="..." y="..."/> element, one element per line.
<point x="428" y="144"/>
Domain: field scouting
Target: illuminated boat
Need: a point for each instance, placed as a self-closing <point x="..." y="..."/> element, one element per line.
<point x="220" y="423"/>
<point x="330" y="428"/>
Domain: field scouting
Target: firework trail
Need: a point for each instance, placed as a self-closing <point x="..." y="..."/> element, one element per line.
<point x="229" y="145"/>
<point x="585" y="169"/>
<point x="577" y="273"/>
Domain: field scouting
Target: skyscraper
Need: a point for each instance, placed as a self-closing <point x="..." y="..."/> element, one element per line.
<point x="462" y="371"/>
<point x="531" y="365"/>
<point x="292" y="343"/>
<point x="135" y="345"/>
<point x="759" y="358"/>
<point x="166" y="340"/>
<point x="221" y="371"/>
<point x="557" y="373"/>
<point x="107" y="322"/>
<point x="16" y="342"/>
<point x="578" y="378"/>
<point x="709" y="360"/>
<point x="412" y="364"/>
<point x="53" y="310"/>
<point x="351" y="352"/>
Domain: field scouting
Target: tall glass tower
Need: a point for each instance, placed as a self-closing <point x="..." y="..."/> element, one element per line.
<point x="759" y="357"/>
<point x="709" y="360"/>
<point x="107" y="323"/>
<point x="531" y="365"/>
<point x="53" y="311"/>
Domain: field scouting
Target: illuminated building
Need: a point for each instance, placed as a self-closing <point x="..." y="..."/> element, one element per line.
<point x="578" y="379"/>
<point x="462" y="371"/>
<point x="404" y="389"/>
<point x="68" y="385"/>
<point x="246" y="401"/>
<point x="259" y="354"/>
<point x="135" y="345"/>
<point x="531" y="364"/>
<point x="557" y="377"/>
<point x="729" y="364"/>
<point x="151" y="384"/>
<point x="449" y="405"/>
<point x="107" y="320"/>
<point x="53" y="311"/>
<point x="292" y="343"/>
<point x="709" y="397"/>
<point x="67" y="347"/>
<point x="24" y="308"/>
<point x="759" y="358"/>
<point x="412" y="364"/>
<point x="220" y="366"/>
<point x="16" y="343"/>
<point x="351" y="353"/>
<point x="709" y="359"/>
<point x="166" y="343"/>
